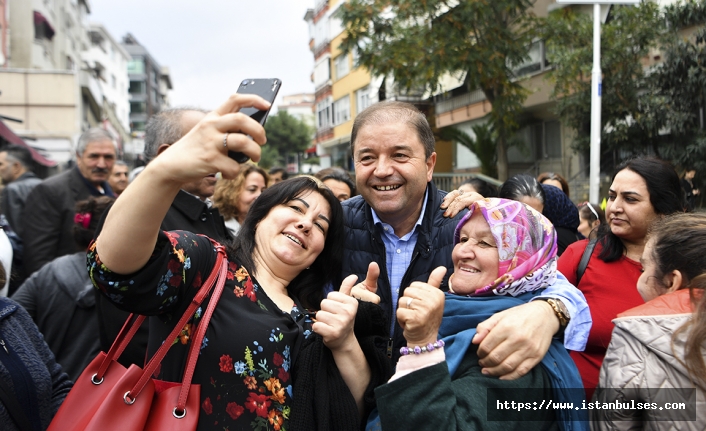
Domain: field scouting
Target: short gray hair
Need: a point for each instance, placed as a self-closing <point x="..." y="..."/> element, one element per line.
<point x="165" y="127"/>
<point x="94" y="134"/>
<point x="391" y="111"/>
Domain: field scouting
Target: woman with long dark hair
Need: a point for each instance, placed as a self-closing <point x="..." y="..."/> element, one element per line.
<point x="642" y="191"/>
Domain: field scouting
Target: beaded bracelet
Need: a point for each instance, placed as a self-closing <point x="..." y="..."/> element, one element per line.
<point x="421" y="349"/>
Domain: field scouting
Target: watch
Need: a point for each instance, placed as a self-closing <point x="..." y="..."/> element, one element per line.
<point x="560" y="310"/>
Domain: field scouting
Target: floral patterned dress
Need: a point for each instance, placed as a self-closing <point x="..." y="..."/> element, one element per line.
<point x="246" y="356"/>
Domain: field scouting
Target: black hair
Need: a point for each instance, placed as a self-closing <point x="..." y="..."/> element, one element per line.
<point x="20" y="154"/>
<point x="309" y="285"/>
<point x="338" y="174"/>
<point x="276" y="170"/>
<point x="482" y="187"/>
<point x="522" y="185"/>
<point x="666" y="196"/>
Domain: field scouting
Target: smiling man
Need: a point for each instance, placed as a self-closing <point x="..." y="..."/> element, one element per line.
<point x="397" y="222"/>
<point x="48" y="215"/>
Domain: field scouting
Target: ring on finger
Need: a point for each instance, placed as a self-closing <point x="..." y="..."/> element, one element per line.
<point x="409" y="302"/>
<point x="225" y="140"/>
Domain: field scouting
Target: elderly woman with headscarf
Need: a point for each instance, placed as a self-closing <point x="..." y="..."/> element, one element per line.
<point x="504" y="255"/>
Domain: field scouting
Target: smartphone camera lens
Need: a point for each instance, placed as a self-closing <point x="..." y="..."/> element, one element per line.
<point x="244" y="83"/>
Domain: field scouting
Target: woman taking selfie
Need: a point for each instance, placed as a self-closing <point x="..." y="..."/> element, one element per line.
<point x="643" y="191"/>
<point x="288" y="249"/>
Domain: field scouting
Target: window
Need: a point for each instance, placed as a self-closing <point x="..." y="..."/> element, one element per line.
<point x="138" y="107"/>
<point x="362" y="99"/>
<point x="536" y="61"/>
<point x="341" y="66"/>
<point x="323" y="114"/>
<point x="341" y="110"/>
<point x="69" y="63"/>
<point x="42" y="28"/>
<point x="541" y="141"/>
<point x="136" y="66"/>
<point x="138" y="126"/>
<point x="137" y="87"/>
<point x="112" y="81"/>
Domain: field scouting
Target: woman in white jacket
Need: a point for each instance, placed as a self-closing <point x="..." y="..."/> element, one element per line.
<point x="654" y="366"/>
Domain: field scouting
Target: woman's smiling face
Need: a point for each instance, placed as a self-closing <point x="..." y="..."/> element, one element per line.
<point x="475" y="257"/>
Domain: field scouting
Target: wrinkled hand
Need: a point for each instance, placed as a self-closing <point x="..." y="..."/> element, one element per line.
<point x="422" y="319"/>
<point x="201" y="152"/>
<point x="456" y="200"/>
<point x="334" y="322"/>
<point x="367" y="290"/>
<point x="513" y="341"/>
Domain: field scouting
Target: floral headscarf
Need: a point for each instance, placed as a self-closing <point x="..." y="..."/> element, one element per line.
<point x="526" y="243"/>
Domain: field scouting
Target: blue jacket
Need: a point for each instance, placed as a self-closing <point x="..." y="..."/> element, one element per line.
<point x="28" y="368"/>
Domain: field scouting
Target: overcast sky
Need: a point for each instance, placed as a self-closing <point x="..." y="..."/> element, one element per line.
<point x="212" y="45"/>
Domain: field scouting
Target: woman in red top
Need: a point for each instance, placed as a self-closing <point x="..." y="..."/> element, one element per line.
<point x="643" y="190"/>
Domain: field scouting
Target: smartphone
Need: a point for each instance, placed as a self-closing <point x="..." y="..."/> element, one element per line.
<point x="265" y="88"/>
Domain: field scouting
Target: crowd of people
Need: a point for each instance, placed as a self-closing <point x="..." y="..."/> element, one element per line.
<point x="373" y="301"/>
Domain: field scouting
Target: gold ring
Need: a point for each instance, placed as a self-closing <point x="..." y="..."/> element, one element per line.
<point x="225" y="140"/>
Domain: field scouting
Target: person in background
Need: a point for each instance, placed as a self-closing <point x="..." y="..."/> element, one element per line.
<point x="278" y="174"/>
<point x="658" y="348"/>
<point x="524" y="188"/>
<point x="48" y="216"/>
<point x="233" y="198"/>
<point x="563" y="214"/>
<point x="119" y="177"/>
<point x="339" y="181"/>
<point x="19" y="180"/>
<point x="33" y="384"/>
<point x="643" y="190"/>
<point x="556" y="180"/>
<point x="504" y="254"/>
<point x="692" y="192"/>
<point x="479" y="186"/>
<point x="591" y="216"/>
<point x="61" y="300"/>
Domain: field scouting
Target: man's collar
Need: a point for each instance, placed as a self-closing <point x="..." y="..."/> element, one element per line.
<point x="377" y="220"/>
<point x="207" y="201"/>
<point x="107" y="191"/>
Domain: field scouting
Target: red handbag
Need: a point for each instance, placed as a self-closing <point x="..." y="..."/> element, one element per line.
<point x="107" y="396"/>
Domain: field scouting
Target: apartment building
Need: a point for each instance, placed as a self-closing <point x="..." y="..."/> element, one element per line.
<point x="342" y="90"/>
<point x="149" y="83"/>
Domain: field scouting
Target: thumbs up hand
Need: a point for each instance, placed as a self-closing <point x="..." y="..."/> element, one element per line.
<point x="420" y="310"/>
<point x="335" y="319"/>
<point x="367" y="290"/>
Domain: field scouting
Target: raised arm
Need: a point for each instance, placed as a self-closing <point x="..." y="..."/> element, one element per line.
<point x="131" y="227"/>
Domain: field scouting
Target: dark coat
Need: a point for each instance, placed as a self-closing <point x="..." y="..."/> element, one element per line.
<point x="48" y="218"/>
<point x="14" y="196"/>
<point x="190" y="213"/>
<point x="28" y="360"/>
<point x="363" y="244"/>
<point x="61" y="300"/>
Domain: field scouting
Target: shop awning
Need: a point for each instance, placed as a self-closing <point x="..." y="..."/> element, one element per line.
<point x="40" y="19"/>
<point x="7" y="134"/>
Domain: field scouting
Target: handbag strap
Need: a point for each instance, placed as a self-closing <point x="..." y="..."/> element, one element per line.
<point x="205" y="289"/>
<point x="585" y="257"/>
<point x="124" y="337"/>
<point x="195" y="348"/>
<point x="13" y="407"/>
